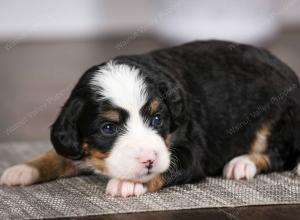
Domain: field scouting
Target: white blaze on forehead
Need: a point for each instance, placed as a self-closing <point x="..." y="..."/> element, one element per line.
<point x="122" y="85"/>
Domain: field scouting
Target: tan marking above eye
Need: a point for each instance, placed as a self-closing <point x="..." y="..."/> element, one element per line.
<point x="154" y="106"/>
<point x="111" y="115"/>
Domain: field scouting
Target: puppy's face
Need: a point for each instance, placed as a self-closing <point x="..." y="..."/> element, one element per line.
<point x="125" y="126"/>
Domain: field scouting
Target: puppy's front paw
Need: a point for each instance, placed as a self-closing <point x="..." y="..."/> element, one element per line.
<point x="240" y="168"/>
<point x="19" y="175"/>
<point x="116" y="187"/>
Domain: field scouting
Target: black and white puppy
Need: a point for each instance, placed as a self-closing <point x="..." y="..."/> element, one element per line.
<point x="175" y="116"/>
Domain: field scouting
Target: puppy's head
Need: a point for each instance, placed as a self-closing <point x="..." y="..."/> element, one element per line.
<point x="117" y="122"/>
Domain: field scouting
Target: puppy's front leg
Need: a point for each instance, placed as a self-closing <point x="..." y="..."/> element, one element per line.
<point x="46" y="167"/>
<point x="124" y="188"/>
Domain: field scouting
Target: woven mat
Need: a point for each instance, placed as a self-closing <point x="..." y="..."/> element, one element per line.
<point x="83" y="196"/>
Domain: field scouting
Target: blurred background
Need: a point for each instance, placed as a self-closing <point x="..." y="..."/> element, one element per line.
<point x="46" y="45"/>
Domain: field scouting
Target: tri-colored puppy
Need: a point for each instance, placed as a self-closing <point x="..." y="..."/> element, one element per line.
<point x="174" y="116"/>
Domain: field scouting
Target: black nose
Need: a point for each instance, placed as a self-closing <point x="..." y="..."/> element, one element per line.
<point x="149" y="164"/>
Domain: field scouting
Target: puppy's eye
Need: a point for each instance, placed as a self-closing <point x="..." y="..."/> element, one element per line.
<point x="156" y="121"/>
<point x="109" y="129"/>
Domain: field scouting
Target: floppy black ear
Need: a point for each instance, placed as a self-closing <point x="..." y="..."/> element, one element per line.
<point x="64" y="132"/>
<point x="174" y="96"/>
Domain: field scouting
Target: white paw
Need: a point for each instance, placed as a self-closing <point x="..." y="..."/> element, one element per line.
<point x="19" y="175"/>
<point x="116" y="187"/>
<point x="240" y="168"/>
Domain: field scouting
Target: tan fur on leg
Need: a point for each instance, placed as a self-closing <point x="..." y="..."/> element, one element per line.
<point x="46" y="167"/>
<point x="155" y="184"/>
<point x="256" y="161"/>
<point x="51" y="166"/>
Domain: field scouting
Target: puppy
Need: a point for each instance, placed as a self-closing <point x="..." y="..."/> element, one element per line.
<point x="175" y="116"/>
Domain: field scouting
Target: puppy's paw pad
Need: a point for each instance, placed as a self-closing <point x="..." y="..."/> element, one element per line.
<point x="240" y="168"/>
<point x="122" y="188"/>
<point x="19" y="175"/>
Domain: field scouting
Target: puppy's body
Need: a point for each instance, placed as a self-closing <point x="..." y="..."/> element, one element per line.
<point x="231" y="94"/>
<point x="182" y="113"/>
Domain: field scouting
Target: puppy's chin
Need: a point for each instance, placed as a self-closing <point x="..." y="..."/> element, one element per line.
<point x="134" y="172"/>
<point x="98" y="167"/>
<point x="138" y="175"/>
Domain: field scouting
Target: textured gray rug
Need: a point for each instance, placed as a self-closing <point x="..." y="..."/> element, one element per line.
<point x="82" y="196"/>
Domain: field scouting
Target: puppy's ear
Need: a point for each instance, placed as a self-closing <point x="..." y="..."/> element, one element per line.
<point x="64" y="132"/>
<point x="174" y="97"/>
